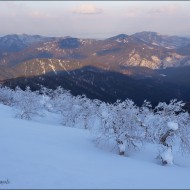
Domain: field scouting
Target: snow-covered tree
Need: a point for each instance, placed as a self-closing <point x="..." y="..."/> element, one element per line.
<point x="63" y="103"/>
<point x="166" y="126"/>
<point x="145" y="118"/>
<point x="46" y="99"/>
<point x="181" y="138"/>
<point x="119" y="125"/>
<point x="6" y="96"/>
<point x="72" y="111"/>
<point x="122" y="125"/>
<point x="101" y="131"/>
<point x="58" y="99"/>
<point x="127" y="117"/>
<point x="85" y="112"/>
<point x="27" y="103"/>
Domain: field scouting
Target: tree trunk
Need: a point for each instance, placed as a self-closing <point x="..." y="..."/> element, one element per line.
<point x="165" y="136"/>
<point x="166" y="156"/>
<point x="121" y="146"/>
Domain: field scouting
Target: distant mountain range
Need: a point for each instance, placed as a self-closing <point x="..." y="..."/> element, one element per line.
<point x="144" y="63"/>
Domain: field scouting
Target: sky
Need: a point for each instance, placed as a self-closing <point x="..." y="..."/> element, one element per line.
<point x="94" y="19"/>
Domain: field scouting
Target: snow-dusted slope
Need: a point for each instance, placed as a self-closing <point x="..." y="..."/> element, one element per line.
<point x="43" y="154"/>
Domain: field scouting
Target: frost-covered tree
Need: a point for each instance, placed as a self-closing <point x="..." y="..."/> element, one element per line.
<point x="6" y="96"/>
<point x="93" y="115"/>
<point x="120" y="126"/>
<point x="64" y="103"/>
<point x="101" y="131"/>
<point x="27" y="103"/>
<point x="46" y="99"/>
<point x="73" y="111"/>
<point x="183" y="132"/>
<point x="168" y="126"/>
<point x="145" y="116"/>
<point x="58" y="99"/>
<point x="127" y="117"/>
<point x="86" y="111"/>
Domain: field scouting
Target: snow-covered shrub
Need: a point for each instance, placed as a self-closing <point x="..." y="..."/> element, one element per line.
<point x="46" y="100"/>
<point x="182" y="133"/>
<point x="168" y="126"/>
<point x="6" y="96"/>
<point x="72" y="111"/>
<point x="102" y="130"/>
<point x="127" y="117"/>
<point x="58" y="99"/>
<point x="166" y="156"/>
<point x="27" y="103"/>
<point x="76" y="111"/>
<point x="146" y="119"/>
<point x="64" y="103"/>
<point x="87" y="111"/>
<point x="120" y="126"/>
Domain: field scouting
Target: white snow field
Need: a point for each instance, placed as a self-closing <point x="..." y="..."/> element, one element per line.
<point x="44" y="154"/>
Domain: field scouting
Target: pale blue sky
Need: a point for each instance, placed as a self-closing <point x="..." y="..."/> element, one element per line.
<point x="95" y="19"/>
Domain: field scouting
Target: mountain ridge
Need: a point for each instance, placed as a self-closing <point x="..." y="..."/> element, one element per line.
<point x="132" y="63"/>
<point x="110" y="54"/>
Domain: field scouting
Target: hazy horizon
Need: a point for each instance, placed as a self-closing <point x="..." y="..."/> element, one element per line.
<point x="97" y="38"/>
<point x="94" y="19"/>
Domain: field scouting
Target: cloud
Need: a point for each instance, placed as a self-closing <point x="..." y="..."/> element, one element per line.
<point x="152" y="12"/>
<point x="167" y="9"/>
<point x="87" y="9"/>
<point x="40" y="15"/>
<point x="133" y="13"/>
<point x="8" y="4"/>
<point x="35" y="14"/>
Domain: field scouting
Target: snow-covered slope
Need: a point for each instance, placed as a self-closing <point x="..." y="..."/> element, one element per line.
<point x="17" y="42"/>
<point x="44" y="154"/>
<point x="169" y="42"/>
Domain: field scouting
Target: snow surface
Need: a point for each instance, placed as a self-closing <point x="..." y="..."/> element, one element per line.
<point x="43" y="154"/>
<point x="167" y="156"/>
<point x="172" y="125"/>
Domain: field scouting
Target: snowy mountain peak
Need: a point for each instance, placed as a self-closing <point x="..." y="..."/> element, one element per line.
<point x="17" y="42"/>
<point x="118" y="38"/>
<point x="170" y="42"/>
